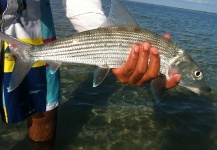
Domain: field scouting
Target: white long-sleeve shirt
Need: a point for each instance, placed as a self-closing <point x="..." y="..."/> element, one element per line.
<point x="85" y="14"/>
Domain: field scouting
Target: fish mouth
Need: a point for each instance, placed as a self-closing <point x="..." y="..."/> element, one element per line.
<point x="200" y="90"/>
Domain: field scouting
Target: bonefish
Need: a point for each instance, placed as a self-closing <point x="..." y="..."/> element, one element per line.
<point x="108" y="47"/>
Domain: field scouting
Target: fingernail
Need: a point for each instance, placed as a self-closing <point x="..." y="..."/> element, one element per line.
<point x="136" y="49"/>
<point x="154" y="51"/>
<point x="167" y="36"/>
<point x="146" y="46"/>
<point x="178" y="77"/>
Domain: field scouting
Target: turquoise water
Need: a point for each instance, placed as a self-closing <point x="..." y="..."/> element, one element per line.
<point x="117" y="116"/>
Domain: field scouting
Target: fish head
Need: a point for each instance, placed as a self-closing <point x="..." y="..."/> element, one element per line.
<point x="193" y="77"/>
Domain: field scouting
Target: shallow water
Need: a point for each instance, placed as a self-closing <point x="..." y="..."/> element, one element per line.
<point x="118" y="116"/>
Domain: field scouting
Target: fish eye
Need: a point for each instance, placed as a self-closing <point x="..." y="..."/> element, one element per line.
<point x="198" y="73"/>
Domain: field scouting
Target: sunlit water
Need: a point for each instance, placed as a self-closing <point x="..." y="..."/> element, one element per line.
<point x="117" y="116"/>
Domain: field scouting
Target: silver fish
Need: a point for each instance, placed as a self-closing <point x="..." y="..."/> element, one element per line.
<point x="108" y="47"/>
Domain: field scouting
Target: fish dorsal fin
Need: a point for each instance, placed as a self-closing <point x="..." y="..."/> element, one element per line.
<point x="119" y="16"/>
<point x="99" y="75"/>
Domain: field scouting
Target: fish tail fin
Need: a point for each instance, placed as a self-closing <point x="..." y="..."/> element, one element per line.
<point x="23" y="62"/>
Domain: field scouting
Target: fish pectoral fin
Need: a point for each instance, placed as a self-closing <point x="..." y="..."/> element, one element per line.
<point x="54" y="66"/>
<point x="99" y="75"/>
<point x="158" y="87"/>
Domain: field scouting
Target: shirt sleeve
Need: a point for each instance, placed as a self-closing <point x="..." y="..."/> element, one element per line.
<point x="84" y="14"/>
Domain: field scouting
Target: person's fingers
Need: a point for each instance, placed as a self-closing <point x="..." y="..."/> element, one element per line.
<point x="174" y="81"/>
<point x="142" y="63"/>
<point x="153" y="68"/>
<point x="139" y="70"/>
<point x="167" y="36"/>
<point x="124" y="73"/>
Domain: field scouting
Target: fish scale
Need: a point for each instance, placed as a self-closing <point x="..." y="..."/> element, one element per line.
<point x="107" y="44"/>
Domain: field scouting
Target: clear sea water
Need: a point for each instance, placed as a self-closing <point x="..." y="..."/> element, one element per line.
<point x="116" y="116"/>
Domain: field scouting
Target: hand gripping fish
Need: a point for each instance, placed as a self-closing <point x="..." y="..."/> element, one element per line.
<point x="108" y="47"/>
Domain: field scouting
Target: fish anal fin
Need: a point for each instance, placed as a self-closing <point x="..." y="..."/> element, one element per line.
<point x="99" y="75"/>
<point x="54" y="65"/>
<point x="158" y="87"/>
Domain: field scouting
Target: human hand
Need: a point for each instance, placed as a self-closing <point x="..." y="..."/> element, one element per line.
<point x="138" y="71"/>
